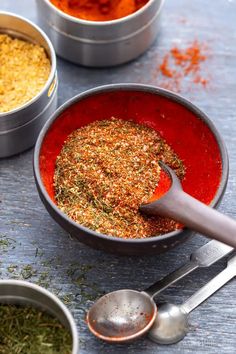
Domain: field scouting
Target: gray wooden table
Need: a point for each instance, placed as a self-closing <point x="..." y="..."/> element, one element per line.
<point x="34" y="247"/>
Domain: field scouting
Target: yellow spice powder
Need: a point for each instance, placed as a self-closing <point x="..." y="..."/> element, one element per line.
<point x="24" y="70"/>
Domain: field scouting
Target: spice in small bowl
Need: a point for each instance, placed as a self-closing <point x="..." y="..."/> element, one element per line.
<point x="106" y="170"/>
<point x="29" y="330"/>
<point x="187" y="131"/>
<point x="24" y="71"/>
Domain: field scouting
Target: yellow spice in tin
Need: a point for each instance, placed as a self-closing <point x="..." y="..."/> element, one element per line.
<point x="24" y="70"/>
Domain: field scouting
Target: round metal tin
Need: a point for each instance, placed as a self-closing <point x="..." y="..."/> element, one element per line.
<point x="100" y="44"/>
<point x="25" y="121"/>
<point x="24" y="293"/>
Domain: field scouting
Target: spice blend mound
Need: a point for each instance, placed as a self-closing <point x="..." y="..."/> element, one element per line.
<point x="105" y="170"/>
<point x="24" y="70"/>
<point x="28" y="330"/>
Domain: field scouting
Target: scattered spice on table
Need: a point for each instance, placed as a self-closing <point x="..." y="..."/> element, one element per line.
<point x="99" y="10"/>
<point x="105" y="170"/>
<point x="26" y="330"/>
<point x="24" y="71"/>
<point x="180" y="64"/>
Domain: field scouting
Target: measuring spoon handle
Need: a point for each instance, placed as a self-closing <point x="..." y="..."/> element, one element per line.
<point x="171" y="279"/>
<point x="204" y="256"/>
<point x="210" y="288"/>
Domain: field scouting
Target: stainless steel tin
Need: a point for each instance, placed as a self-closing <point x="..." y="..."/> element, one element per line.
<point x="16" y="124"/>
<point x="24" y="293"/>
<point x="104" y="43"/>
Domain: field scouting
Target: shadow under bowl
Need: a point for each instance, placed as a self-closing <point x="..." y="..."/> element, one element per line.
<point x="185" y="128"/>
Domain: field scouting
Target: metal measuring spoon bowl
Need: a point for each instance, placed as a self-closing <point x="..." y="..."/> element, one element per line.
<point x="171" y="324"/>
<point x="122" y="316"/>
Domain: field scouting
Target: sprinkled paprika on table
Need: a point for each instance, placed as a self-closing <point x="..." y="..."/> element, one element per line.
<point x="179" y="64"/>
<point x="99" y="10"/>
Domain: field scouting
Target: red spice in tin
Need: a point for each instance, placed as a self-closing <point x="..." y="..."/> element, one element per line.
<point x="99" y="10"/>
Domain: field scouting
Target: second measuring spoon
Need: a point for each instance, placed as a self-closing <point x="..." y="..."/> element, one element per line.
<point x="171" y="324"/>
<point x="124" y="315"/>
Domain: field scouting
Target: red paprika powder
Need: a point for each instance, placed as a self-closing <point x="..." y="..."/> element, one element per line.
<point x="99" y="10"/>
<point x="180" y="64"/>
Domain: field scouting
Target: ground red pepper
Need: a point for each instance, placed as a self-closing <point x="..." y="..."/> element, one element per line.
<point x="189" y="137"/>
<point x="179" y="64"/>
<point x="99" y="10"/>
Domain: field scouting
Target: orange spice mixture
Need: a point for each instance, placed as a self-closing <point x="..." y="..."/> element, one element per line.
<point x="99" y="10"/>
<point x="105" y="170"/>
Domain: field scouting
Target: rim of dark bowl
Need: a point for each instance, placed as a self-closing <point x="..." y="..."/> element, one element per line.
<point x="131" y="87"/>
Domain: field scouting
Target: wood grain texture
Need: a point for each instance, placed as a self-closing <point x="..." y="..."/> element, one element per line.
<point x="79" y="274"/>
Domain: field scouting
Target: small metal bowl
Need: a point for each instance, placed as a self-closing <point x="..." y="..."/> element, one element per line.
<point x="23" y="293"/>
<point x="100" y="44"/>
<point x="19" y="128"/>
<point x="187" y="129"/>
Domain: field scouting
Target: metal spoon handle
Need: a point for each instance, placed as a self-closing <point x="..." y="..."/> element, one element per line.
<point x="171" y="279"/>
<point x="210" y="288"/>
<point x="201" y="257"/>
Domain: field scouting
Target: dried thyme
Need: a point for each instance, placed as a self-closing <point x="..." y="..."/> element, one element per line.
<point x="105" y="170"/>
<point x="25" y="330"/>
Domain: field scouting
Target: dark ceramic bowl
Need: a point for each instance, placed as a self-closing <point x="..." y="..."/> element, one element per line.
<point x="188" y="130"/>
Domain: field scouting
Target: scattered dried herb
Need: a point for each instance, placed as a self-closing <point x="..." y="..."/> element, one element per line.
<point x="6" y="243"/>
<point x="105" y="170"/>
<point x="25" y="330"/>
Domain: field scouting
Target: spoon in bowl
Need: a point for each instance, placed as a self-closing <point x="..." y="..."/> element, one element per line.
<point x="171" y="324"/>
<point x="182" y="207"/>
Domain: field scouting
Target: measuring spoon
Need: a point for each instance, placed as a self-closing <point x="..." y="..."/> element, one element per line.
<point x="124" y="315"/>
<point x="171" y="324"/>
<point x="180" y="206"/>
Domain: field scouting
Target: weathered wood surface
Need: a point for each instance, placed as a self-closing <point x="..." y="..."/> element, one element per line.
<point x="42" y="252"/>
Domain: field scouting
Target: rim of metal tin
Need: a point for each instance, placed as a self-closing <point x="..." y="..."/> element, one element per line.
<point x="53" y="63"/>
<point x="54" y="298"/>
<point x="101" y="23"/>
<point x="131" y="87"/>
